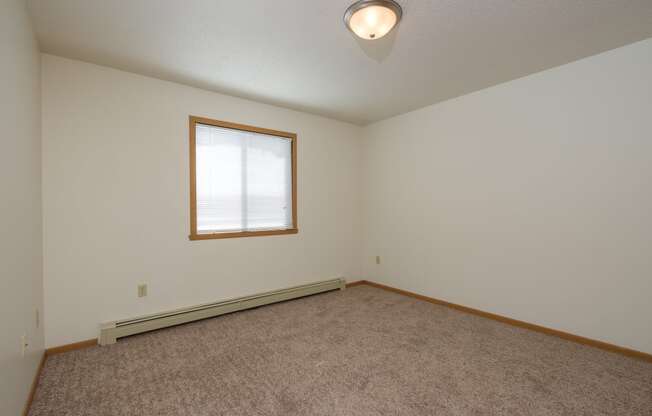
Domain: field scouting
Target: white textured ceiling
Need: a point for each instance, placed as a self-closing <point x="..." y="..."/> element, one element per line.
<point x="298" y="54"/>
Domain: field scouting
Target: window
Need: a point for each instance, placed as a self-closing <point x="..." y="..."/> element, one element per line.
<point x="242" y="180"/>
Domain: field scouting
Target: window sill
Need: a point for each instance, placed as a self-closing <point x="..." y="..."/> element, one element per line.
<point x="237" y="234"/>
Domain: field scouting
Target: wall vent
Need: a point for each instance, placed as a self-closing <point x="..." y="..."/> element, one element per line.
<point x="111" y="331"/>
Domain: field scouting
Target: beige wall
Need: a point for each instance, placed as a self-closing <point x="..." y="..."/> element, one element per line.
<point x="21" y="283"/>
<point x="115" y="190"/>
<point x="531" y="199"/>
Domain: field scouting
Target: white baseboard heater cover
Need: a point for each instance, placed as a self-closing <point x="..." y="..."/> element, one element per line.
<point x="111" y="331"/>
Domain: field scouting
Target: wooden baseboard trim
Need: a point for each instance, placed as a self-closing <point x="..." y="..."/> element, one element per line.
<point x="521" y="324"/>
<point x="71" y="347"/>
<point x="32" y="390"/>
<point x="93" y="342"/>
<point x="51" y="351"/>
<point x="514" y="322"/>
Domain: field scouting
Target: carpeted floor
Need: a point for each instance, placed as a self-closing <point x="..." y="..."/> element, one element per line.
<point x="363" y="351"/>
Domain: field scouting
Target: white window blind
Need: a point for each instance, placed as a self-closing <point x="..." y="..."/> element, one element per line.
<point x="243" y="180"/>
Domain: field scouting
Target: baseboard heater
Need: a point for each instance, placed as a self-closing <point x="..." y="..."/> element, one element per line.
<point x="111" y="331"/>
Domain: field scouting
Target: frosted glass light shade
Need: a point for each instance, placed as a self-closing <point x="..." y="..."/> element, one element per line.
<point x="372" y="19"/>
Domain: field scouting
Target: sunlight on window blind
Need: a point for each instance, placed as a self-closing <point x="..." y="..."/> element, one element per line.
<point x="244" y="180"/>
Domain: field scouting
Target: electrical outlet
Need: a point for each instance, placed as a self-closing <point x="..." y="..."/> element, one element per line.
<point x="377" y="259"/>
<point x="23" y="344"/>
<point x="142" y="290"/>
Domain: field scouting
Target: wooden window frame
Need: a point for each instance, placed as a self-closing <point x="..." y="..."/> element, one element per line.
<point x="194" y="235"/>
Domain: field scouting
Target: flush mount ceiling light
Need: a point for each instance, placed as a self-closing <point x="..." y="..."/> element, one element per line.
<point x="372" y="19"/>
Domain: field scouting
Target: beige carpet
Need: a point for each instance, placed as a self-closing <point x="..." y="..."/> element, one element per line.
<point x="363" y="351"/>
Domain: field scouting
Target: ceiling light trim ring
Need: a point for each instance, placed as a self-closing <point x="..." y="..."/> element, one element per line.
<point x="362" y="4"/>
